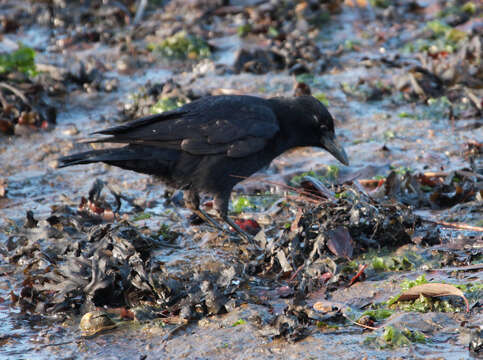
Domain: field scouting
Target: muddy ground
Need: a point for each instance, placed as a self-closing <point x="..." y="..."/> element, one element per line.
<point x="337" y="244"/>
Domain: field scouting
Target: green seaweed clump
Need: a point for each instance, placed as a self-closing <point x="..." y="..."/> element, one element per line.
<point x="167" y="104"/>
<point x="142" y="216"/>
<point x="425" y="304"/>
<point x="22" y="60"/>
<point x="167" y="234"/>
<point x="322" y="98"/>
<point x="408" y="284"/>
<point x="239" y="322"/>
<point x="377" y="314"/>
<point x="182" y="46"/>
<point x="244" y="30"/>
<point x="442" y="38"/>
<point x="331" y="175"/>
<point x="395" y="263"/>
<point x="394" y="338"/>
<point x="242" y="203"/>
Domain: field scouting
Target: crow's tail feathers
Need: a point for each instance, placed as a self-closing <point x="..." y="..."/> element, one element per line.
<point x="105" y="155"/>
<point x="143" y="159"/>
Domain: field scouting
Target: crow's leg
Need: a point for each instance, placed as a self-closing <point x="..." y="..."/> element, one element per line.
<point x="192" y="202"/>
<point x="221" y="206"/>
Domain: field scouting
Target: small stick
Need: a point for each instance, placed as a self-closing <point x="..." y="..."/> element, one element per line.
<point x="303" y="198"/>
<point x="295" y="223"/>
<point x="458" y="226"/>
<point x="430" y="174"/>
<point x="170" y="333"/>
<point x="295" y="273"/>
<point x="16" y="92"/>
<point x="371" y="182"/>
<point x="359" y="273"/>
<point x="359" y="324"/>
<point x="3" y="101"/>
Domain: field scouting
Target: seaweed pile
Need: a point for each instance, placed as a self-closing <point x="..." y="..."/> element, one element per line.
<point x="74" y="262"/>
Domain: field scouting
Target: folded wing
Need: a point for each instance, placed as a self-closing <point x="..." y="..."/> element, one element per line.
<point x="231" y="125"/>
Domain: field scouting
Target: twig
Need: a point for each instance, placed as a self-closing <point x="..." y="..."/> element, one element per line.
<point x="173" y="331"/>
<point x="3" y="101"/>
<point x="429" y="174"/>
<point x="436" y="174"/>
<point x="468" y="174"/>
<point x="16" y="92"/>
<point x="474" y="100"/>
<point x="295" y="223"/>
<point x="303" y="198"/>
<point x="459" y="172"/>
<point x="416" y="87"/>
<point x="295" y="273"/>
<point x="359" y="324"/>
<point x="359" y="273"/>
<point x="371" y="182"/>
<point x="473" y="267"/>
<point x="458" y="226"/>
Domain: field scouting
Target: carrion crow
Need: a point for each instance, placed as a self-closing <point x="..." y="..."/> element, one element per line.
<point x="211" y="144"/>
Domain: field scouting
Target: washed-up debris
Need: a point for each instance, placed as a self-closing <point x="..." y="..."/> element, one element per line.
<point x="366" y="90"/>
<point x="24" y="109"/>
<point x="26" y="90"/>
<point x="476" y="341"/>
<point x="95" y="206"/>
<point x="95" y="322"/>
<point x="340" y="228"/>
<point x="423" y="296"/>
<point x="110" y="266"/>
<point x="432" y="290"/>
<point x="258" y="61"/>
<point x="302" y="89"/>
<point x="88" y="76"/>
<point x="157" y="98"/>
<point x="75" y="262"/>
<point x="182" y="46"/>
<point x="394" y="338"/>
<point x="21" y="60"/>
<point x="430" y="190"/>
<point x="420" y="82"/>
<point x="73" y="265"/>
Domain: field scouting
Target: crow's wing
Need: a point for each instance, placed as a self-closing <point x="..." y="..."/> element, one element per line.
<point x="232" y="125"/>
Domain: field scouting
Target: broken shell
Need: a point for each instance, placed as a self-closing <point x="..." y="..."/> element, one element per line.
<point x="94" y="322"/>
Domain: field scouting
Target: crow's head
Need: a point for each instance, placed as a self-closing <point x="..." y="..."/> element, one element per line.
<point x="323" y="123"/>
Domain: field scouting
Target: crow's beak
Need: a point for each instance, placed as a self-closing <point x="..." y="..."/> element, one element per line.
<point x="332" y="146"/>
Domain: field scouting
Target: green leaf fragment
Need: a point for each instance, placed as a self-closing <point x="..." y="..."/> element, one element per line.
<point x="22" y="60"/>
<point x="182" y="46"/>
<point x="239" y="322"/>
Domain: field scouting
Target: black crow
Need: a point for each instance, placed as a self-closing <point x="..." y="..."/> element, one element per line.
<point x="211" y="144"/>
